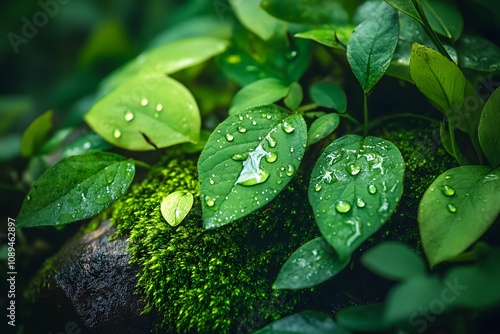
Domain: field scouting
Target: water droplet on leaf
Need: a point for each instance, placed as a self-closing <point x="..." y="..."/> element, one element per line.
<point x="342" y="206"/>
<point x="360" y="203"/>
<point x="242" y="129"/>
<point x="372" y="189"/>
<point x="252" y="173"/>
<point x="229" y="137"/>
<point x="271" y="141"/>
<point x="447" y="190"/>
<point x="144" y="102"/>
<point x="210" y="201"/>
<point x="117" y="133"/>
<point x="287" y="127"/>
<point x="129" y="116"/>
<point x="159" y="107"/>
<point x="353" y="169"/>
<point x="317" y="187"/>
<point x="290" y="170"/>
<point x="239" y="157"/>
<point x="271" y="157"/>
<point x="452" y="208"/>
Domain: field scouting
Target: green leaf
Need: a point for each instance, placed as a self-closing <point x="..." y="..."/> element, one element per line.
<point x="406" y="301"/>
<point x="86" y="143"/>
<point x="307" y="11"/>
<point x="166" y="59"/>
<point x="154" y="105"/>
<point x="355" y="187"/>
<point x="330" y="95"/>
<point x="256" y="19"/>
<point x="175" y="207"/>
<point x="440" y="80"/>
<point x="444" y="18"/>
<point x="407" y="7"/>
<point x="361" y="318"/>
<point x="294" y="97"/>
<point x="264" y="91"/>
<point x="247" y="161"/>
<point x="76" y="188"/>
<point x="489" y="125"/>
<point x="444" y="135"/>
<point x="393" y="260"/>
<point x="35" y="134"/>
<point x="459" y="206"/>
<point x="478" y="53"/>
<point x="322" y="128"/>
<point x="372" y="44"/>
<point x="336" y="39"/>
<point x="305" y="322"/>
<point x="311" y="264"/>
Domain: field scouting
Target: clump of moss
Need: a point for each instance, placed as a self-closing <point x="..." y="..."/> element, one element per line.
<point x="218" y="280"/>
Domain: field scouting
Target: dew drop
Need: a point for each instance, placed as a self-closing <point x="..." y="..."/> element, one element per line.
<point x="254" y="122"/>
<point x="117" y="133"/>
<point x="290" y="170"/>
<point x="271" y="157"/>
<point x="233" y="59"/>
<point x="210" y="201"/>
<point x="252" y="173"/>
<point x="288" y="128"/>
<point x="28" y="198"/>
<point x="240" y="117"/>
<point x="144" y="102"/>
<point x="452" y="208"/>
<point x="239" y="157"/>
<point x="353" y="169"/>
<point x="279" y="181"/>
<point x="271" y="141"/>
<point x="242" y="129"/>
<point x="360" y="203"/>
<point x="129" y="116"/>
<point x="159" y="107"/>
<point x="317" y="187"/>
<point x="447" y="190"/>
<point x="342" y="206"/>
<point x="447" y="177"/>
<point x="211" y="181"/>
<point x="229" y="137"/>
<point x="372" y="189"/>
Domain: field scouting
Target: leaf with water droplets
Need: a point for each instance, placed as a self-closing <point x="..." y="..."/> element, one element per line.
<point x="305" y="322"/>
<point x="260" y="92"/>
<point x="489" y="124"/>
<point x="76" y="188"/>
<point x="478" y="53"/>
<point x="311" y="264"/>
<point x="149" y="104"/>
<point x="456" y="209"/>
<point x="354" y="188"/>
<point x="240" y="175"/>
<point x="175" y="207"/>
<point x="322" y="127"/>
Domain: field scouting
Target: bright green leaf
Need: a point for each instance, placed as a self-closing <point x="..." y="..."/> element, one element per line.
<point x="88" y="142"/>
<point x="153" y="105"/>
<point x="307" y="11"/>
<point x="372" y="44"/>
<point x="322" y="127"/>
<point x="56" y="140"/>
<point x="247" y="161"/>
<point x="489" y="126"/>
<point x="305" y="322"/>
<point x="311" y="264"/>
<point x="35" y="134"/>
<point x="76" y="188"/>
<point x="444" y="18"/>
<point x="256" y="19"/>
<point x="166" y="59"/>
<point x="478" y="53"/>
<point x="336" y="39"/>
<point x="355" y="187"/>
<point x="393" y="260"/>
<point x="330" y="95"/>
<point x="294" y="97"/>
<point x="362" y="318"/>
<point x="444" y="135"/>
<point x="457" y="208"/>
<point x="407" y="7"/>
<point x="261" y="92"/>
<point x="175" y="207"/>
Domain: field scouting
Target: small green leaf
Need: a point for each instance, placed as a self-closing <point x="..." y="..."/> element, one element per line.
<point x="247" y="161"/>
<point x="151" y="104"/>
<point x="307" y="11"/>
<point x="305" y="322"/>
<point x="329" y="95"/>
<point x="256" y="19"/>
<point x="478" y="53"/>
<point x="393" y="260"/>
<point x="355" y="187"/>
<point x="322" y="127"/>
<point x="311" y="264"/>
<point x="444" y="135"/>
<point x="372" y="44"/>
<point x="294" y="97"/>
<point x="166" y="59"/>
<point x="336" y="39"/>
<point x="88" y="142"/>
<point x="444" y="18"/>
<point x="459" y="206"/>
<point x="260" y="92"/>
<point x="407" y="7"/>
<point x="175" y="207"/>
<point x="362" y="318"/>
<point x="489" y="125"/>
<point x="35" y="134"/>
<point x="76" y="188"/>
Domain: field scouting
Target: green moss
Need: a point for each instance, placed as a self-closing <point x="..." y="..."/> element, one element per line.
<point x="219" y="280"/>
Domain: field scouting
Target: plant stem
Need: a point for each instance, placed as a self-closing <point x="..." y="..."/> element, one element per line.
<point x="352" y="119"/>
<point x="141" y="164"/>
<point x="451" y="132"/>
<point x="365" y="111"/>
<point x="307" y="107"/>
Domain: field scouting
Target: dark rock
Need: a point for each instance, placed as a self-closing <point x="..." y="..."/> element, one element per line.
<point x="89" y="286"/>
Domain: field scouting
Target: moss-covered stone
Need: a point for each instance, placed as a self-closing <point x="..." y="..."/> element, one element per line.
<point x="207" y="281"/>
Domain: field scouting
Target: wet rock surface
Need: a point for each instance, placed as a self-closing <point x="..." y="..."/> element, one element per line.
<point x="90" y="288"/>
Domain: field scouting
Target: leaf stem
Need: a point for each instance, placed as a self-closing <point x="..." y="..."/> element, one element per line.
<point x="365" y="112"/>
<point x="141" y="163"/>
<point x="352" y="119"/>
<point x="307" y="107"/>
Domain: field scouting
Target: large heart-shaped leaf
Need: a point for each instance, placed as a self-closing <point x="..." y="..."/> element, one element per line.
<point x="76" y="188"/>
<point x="247" y="161"/>
<point x="354" y="189"/>
<point x="372" y="44"/>
<point x="457" y="208"/>
<point x="147" y="111"/>
<point x="311" y="264"/>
